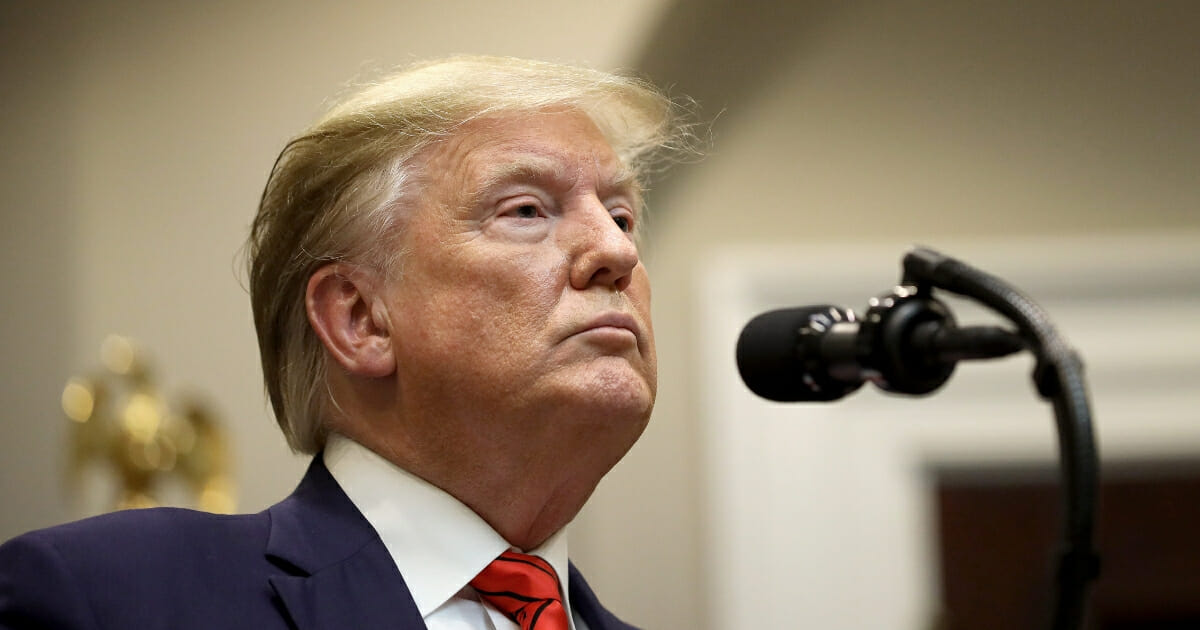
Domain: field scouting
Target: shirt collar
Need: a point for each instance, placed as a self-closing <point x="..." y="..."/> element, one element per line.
<point x="437" y="542"/>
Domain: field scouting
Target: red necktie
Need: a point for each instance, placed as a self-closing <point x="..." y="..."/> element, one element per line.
<point x="526" y="589"/>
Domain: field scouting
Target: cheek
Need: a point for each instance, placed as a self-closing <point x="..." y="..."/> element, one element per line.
<point x="517" y="294"/>
<point x="517" y="277"/>
<point x="639" y="293"/>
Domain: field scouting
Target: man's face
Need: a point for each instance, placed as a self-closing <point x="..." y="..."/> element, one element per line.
<point x="521" y="311"/>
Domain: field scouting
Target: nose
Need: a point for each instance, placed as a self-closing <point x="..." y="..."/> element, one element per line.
<point x="603" y="253"/>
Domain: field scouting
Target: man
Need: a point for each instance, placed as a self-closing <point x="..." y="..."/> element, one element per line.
<point x="453" y="318"/>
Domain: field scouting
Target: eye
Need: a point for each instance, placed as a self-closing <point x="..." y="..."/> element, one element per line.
<point x="624" y="223"/>
<point x="525" y="211"/>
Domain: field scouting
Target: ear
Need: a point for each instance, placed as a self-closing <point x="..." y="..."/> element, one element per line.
<point x="339" y="300"/>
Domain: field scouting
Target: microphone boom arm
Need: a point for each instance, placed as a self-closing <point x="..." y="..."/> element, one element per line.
<point x="1058" y="376"/>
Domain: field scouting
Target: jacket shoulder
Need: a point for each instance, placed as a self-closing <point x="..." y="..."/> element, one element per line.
<point x="139" y="539"/>
<point x="122" y="565"/>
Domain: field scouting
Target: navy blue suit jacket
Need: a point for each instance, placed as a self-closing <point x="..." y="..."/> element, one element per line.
<point x="310" y="562"/>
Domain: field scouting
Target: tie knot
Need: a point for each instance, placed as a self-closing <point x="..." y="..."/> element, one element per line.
<point x="525" y="588"/>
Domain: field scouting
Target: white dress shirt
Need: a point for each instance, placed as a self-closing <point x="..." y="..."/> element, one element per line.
<point x="438" y="543"/>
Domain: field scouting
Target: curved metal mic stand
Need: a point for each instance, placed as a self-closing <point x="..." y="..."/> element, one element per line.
<point x="1058" y="376"/>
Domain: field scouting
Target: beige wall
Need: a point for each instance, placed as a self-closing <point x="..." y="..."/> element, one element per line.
<point x="39" y="261"/>
<point x="138" y="137"/>
<point x="902" y="122"/>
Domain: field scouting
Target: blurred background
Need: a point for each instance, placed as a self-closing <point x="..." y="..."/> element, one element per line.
<point x="1054" y="144"/>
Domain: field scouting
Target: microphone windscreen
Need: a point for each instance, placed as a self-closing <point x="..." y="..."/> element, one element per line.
<point x="771" y="357"/>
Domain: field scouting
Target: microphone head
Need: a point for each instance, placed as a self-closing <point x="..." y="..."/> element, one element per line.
<point x="779" y="358"/>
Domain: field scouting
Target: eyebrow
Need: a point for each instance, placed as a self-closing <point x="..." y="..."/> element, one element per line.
<point x="539" y="169"/>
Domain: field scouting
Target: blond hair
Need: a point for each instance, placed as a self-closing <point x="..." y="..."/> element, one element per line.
<point x="335" y="191"/>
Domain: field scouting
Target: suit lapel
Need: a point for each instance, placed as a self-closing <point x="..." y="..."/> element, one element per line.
<point x="584" y="602"/>
<point x="364" y="592"/>
<point x="338" y="572"/>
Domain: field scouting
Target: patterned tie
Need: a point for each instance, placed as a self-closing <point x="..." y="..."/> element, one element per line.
<point x="526" y="589"/>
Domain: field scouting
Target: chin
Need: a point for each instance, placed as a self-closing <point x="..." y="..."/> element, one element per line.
<point x="625" y="399"/>
<point x="607" y="391"/>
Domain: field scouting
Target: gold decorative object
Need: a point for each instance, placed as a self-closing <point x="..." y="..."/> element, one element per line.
<point x="122" y="421"/>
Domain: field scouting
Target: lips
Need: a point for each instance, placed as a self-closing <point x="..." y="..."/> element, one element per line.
<point x="613" y="323"/>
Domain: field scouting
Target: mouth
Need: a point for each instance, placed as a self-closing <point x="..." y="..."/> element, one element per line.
<point x="614" y="327"/>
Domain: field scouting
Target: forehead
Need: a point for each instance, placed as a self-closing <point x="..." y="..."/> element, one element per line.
<point x="562" y="145"/>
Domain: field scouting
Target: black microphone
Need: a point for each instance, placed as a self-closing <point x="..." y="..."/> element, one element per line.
<point x="905" y="343"/>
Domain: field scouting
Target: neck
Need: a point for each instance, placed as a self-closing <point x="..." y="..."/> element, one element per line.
<point x="525" y="496"/>
<point x="525" y="507"/>
<point x="527" y="472"/>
